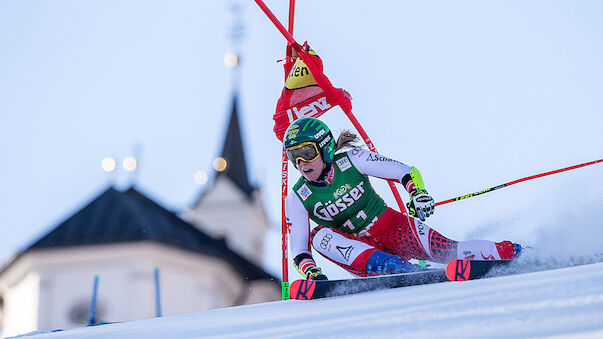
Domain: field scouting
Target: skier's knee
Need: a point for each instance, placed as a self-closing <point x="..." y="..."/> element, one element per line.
<point x="337" y="247"/>
<point x="320" y="238"/>
<point x="314" y="231"/>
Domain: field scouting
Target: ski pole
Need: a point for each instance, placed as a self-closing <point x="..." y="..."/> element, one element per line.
<point x="92" y="312"/>
<point x="277" y="23"/>
<point x="324" y="83"/>
<point x="285" y="177"/>
<point x="517" y="181"/>
<point x="157" y="293"/>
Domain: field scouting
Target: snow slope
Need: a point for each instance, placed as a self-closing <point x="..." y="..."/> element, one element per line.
<point x="565" y="302"/>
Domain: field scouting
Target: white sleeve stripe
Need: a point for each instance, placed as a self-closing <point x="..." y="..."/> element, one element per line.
<point x="376" y="165"/>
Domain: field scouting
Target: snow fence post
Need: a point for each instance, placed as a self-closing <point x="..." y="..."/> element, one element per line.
<point x="92" y="313"/>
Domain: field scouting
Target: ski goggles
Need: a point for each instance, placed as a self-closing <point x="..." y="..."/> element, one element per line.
<point x="306" y="151"/>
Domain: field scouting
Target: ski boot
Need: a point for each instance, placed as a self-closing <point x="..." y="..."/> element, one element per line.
<point x="381" y="263"/>
<point x="517" y="248"/>
<point x="508" y="250"/>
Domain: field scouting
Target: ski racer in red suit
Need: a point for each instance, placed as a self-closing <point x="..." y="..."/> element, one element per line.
<point x="356" y="229"/>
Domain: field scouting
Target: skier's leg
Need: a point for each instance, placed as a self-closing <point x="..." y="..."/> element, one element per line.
<point x="410" y="238"/>
<point x="396" y="236"/>
<point x="355" y="255"/>
<point x="438" y="247"/>
<point x="443" y="249"/>
<point x="345" y="250"/>
<point x="486" y="250"/>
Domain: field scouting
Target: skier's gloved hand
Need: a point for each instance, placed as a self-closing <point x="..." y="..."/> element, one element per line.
<point x="315" y="274"/>
<point x="421" y="204"/>
<point x="305" y="265"/>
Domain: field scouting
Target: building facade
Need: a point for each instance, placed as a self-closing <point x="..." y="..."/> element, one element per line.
<point x="122" y="237"/>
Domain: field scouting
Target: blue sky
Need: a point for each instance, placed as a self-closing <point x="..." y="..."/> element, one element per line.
<point x="473" y="93"/>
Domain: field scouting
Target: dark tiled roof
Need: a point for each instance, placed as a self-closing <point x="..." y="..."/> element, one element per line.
<point x="234" y="153"/>
<point x="118" y="217"/>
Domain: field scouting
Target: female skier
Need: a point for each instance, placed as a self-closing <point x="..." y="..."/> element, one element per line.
<point x="356" y="230"/>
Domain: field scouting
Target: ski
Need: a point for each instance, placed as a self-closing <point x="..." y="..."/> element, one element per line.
<point x="316" y="289"/>
<point x="456" y="270"/>
<point x="462" y="270"/>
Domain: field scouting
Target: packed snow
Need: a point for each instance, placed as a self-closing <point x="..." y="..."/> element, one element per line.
<point x="562" y="302"/>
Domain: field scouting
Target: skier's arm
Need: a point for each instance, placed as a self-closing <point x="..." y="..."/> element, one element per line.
<point x="299" y="239"/>
<point x="376" y="165"/>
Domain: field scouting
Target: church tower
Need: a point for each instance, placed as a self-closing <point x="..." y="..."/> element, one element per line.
<point x="231" y="209"/>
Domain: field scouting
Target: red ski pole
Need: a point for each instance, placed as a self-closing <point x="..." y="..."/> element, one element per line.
<point x="466" y="196"/>
<point x="326" y="85"/>
<point x="285" y="171"/>
<point x="277" y="23"/>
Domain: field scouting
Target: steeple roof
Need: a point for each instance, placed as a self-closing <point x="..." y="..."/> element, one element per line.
<point x="234" y="154"/>
<point x="129" y="216"/>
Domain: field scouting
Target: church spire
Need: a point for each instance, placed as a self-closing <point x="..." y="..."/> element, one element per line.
<point x="233" y="152"/>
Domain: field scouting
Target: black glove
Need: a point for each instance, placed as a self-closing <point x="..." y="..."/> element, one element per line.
<point x="314" y="273"/>
<point x="421" y="205"/>
<point x="307" y="267"/>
